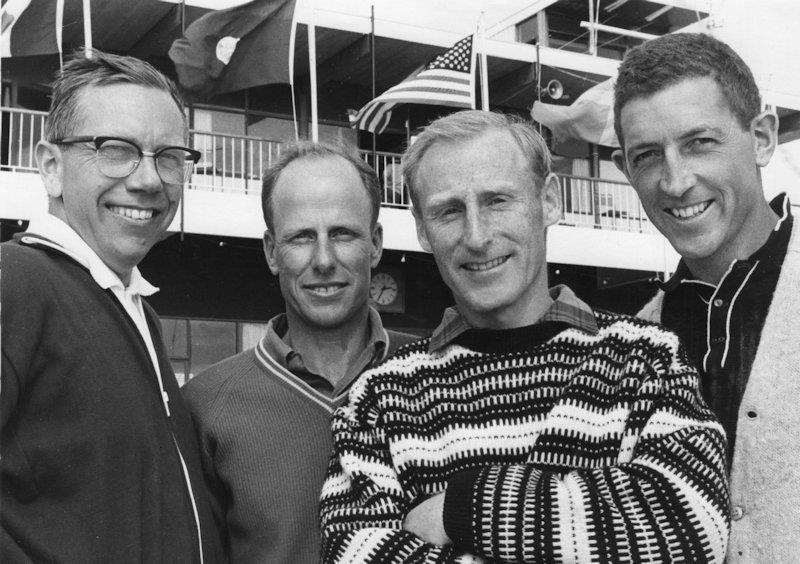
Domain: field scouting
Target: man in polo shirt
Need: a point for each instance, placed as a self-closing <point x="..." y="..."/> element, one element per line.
<point x="99" y="457"/>
<point x="688" y="116"/>
<point x="529" y="427"/>
<point x="263" y="416"/>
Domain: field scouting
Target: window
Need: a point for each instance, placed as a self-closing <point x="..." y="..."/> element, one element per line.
<point x="195" y="344"/>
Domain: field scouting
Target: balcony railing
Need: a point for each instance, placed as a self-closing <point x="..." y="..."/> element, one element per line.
<point x="235" y="164"/>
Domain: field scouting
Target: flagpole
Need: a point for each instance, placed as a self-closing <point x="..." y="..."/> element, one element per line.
<point x="87" y="28"/>
<point x="59" y="32"/>
<point x="372" y="58"/>
<point x="484" y="66"/>
<point x="312" y="70"/>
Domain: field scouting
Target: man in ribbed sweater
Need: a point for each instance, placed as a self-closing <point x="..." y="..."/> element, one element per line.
<point x="263" y="416"/>
<point x="529" y="427"/>
<point x="694" y="138"/>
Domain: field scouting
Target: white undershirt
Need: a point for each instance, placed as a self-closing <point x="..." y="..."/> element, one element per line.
<point x="130" y="296"/>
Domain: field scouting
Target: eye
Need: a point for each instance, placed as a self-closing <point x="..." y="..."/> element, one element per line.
<point x="118" y="151"/>
<point x="343" y="234"/>
<point x="497" y="200"/>
<point x="302" y="237"/>
<point x="644" y="157"/>
<point x="700" y="142"/>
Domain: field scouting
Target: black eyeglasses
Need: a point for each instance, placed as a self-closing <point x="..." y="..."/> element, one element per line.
<point x="118" y="158"/>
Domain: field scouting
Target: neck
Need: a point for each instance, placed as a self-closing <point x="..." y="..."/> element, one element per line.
<point x="711" y="269"/>
<point x="329" y="351"/>
<point x="526" y="311"/>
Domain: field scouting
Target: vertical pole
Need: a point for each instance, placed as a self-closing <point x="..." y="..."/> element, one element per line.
<point x="312" y="71"/>
<point x="87" y="28"/>
<point x="595" y="174"/>
<point x="372" y="70"/>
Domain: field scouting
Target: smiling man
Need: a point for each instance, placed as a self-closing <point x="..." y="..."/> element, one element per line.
<point x="688" y="116"/>
<point x="529" y="427"/>
<point x="263" y="416"/>
<point x="99" y="458"/>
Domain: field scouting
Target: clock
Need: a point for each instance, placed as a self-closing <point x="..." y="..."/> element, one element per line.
<point x="383" y="289"/>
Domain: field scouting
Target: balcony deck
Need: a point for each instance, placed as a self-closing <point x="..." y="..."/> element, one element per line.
<point x="603" y="223"/>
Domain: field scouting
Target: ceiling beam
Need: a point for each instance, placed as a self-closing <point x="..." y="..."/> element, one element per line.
<point x="340" y="64"/>
<point x="519" y="16"/>
<point x="503" y="49"/>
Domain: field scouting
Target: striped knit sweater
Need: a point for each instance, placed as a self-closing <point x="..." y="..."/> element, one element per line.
<point x="572" y="447"/>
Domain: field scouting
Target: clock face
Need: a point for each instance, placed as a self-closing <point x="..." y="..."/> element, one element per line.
<point x="383" y="288"/>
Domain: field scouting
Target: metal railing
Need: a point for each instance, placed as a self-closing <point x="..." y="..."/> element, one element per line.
<point x="235" y="164"/>
<point x="21" y="129"/>
<point x="602" y="204"/>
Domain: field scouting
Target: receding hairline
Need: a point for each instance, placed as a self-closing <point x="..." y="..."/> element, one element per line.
<point x="319" y="158"/>
<point x="467" y="137"/>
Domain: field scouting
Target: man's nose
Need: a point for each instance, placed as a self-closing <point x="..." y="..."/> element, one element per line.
<point x="324" y="256"/>
<point x="476" y="230"/>
<point x="145" y="176"/>
<point x="676" y="174"/>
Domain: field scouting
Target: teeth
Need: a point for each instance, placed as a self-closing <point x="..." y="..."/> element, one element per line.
<point x="480" y="266"/>
<point x="689" y="211"/>
<point x="132" y="213"/>
<point x="324" y="290"/>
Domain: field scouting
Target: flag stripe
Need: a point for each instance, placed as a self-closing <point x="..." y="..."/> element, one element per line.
<point x="448" y="80"/>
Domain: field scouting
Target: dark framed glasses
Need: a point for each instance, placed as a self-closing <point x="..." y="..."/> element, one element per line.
<point x="118" y="158"/>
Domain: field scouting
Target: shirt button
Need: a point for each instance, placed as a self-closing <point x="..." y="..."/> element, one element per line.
<point x="719" y="303"/>
<point x="737" y="513"/>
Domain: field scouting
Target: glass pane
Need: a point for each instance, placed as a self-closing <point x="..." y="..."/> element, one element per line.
<point x="251" y="334"/>
<point x="212" y="341"/>
<point x="174" y="331"/>
<point x="180" y="368"/>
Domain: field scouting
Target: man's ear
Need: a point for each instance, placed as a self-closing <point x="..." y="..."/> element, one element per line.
<point x="618" y="156"/>
<point x="422" y="236"/>
<point x="49" y="159"/>
<point x="269" y="252"/>
<point x="551" y="200"/>
<point x="377" y="244"/>
<point x="764" y="128"/>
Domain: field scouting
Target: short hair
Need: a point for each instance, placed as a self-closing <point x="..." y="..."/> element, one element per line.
<point x="311" y="150"/>
<point x="467" y="125"/>
<point x="101" y="69"/>
<point x="663" y="62"/>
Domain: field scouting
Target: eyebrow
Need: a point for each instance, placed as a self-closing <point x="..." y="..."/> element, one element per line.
<point x="700" y="129"/>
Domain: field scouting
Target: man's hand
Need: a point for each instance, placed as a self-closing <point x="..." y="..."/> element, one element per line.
<point x="426" y="521"/>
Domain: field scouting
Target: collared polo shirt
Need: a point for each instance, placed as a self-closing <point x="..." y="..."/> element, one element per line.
<point x="720" y="325"/>
<point x="275" y="344"/>
<point x="565" y="310"/>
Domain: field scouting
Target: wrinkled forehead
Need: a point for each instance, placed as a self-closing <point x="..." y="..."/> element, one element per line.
<point x="129" y="108"/>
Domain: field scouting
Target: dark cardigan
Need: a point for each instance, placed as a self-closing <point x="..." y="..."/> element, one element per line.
<point x="90" y="471"/>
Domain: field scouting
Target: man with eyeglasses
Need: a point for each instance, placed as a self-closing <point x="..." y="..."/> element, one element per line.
<point x="99" y="460"/>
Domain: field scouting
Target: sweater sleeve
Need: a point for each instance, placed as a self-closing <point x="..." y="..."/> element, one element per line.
<point x="663" y="501"/>
<point x="363" y="502"/>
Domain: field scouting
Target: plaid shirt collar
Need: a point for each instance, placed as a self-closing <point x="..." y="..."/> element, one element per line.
<point x="566" y="307"/>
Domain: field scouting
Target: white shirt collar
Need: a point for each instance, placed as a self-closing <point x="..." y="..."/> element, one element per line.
<point x="56" y="230"/>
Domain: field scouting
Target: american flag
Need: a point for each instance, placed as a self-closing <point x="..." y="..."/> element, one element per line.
<point x="448" y="80"/>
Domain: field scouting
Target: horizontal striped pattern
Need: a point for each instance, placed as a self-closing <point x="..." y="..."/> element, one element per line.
<point x="445" y="81"/>
<point x="588" y="447"/>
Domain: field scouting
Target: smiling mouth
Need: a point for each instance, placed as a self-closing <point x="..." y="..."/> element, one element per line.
<point x="689" y="212"/>
<point x="483" y="266"/>
<point x="325" y="290"/>
<point x="132" y="213"/>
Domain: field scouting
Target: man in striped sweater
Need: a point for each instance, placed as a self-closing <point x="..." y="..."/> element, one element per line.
<point x="263" y="416"/>
<point x="528" y="427"/>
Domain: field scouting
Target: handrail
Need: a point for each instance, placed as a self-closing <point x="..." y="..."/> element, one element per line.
<point x="235" y="164"/>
